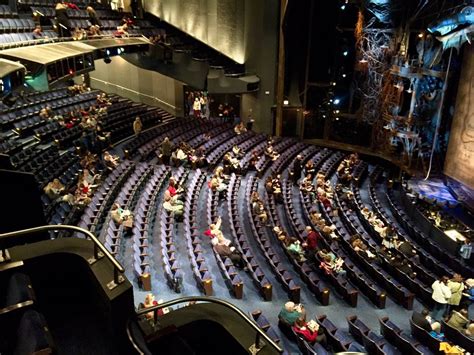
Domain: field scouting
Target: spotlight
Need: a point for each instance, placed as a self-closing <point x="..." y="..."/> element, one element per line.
<point x="337" y="101"/>
<point x="119" y="51"/>
<point x="286" y="102"/>
<point x="333" y="83"/>
<point x="107" y="52"/>
<point x="345" y="53"/>
<point x="344" y="75"/>
<point x="343" y="7"/>
<point x="337" y="118"/>
<point x="420" y="35"/>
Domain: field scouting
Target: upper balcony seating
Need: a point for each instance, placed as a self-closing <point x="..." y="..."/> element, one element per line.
<point x="6" y="11"/>
<point x="13" y="25"/>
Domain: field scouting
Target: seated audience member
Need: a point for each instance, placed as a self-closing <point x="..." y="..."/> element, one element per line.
<point x="276" y="189"/>
<point x="315" y="217"/>
<point x="122" y="31"/>
<point x="137" y="126"/>
<point x="173" y="205"/>
<point x="111" y="161"/>
<point x="231" y="164"/>
<point x="306" y="186"/>
<point x="328" y="230"/>
<point x="88" y="179"/>
<point x="384" y="252"/>
<point x="254" y="158"/>
<point x="38" y="33"/>
<point x="294" y="247"/>
<point x="237" y="152"/>
<point x="174" y="189"/>
<point x="261" y="213"/>
<point x="381" y="229"/>
<point x="214" y="231"/>
<point x="54" y="189"/>
<point x="469" y="332"/>
<point x="423" y="320"/>
<point x="46" y="113"/>
<point x="240" y="128"/>
<point x="197" y="158"/>
<point x="469" y="291"/>
<point x="459" y="320"/>
<point x="280" y="234"/>
<point x="217" y="180"/>
<point x="230" y="252"/>
<point x="436" y="332"/>
<point x="332" y="266"/>
<point x="404" y="247"/>
<point x="323" y="253"/>
<point x="360" y="247"/>
<point x="323" y="198"/>
<point x="270" y="153"/>
<point x="79" y="34"/>
<point x="150" y="302"/>
<point x="310" y="332"/>
<point x="311" y="241"/>
<point x="179" y="156"/>
<point x="291" y="312"/>
<point x="122" y="217"/>
<point x="310" y="169"/>
<point x="403" y="265"/>
<point x="255" y="198"/>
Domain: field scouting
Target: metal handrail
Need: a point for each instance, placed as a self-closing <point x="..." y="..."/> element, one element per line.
<point x="260" y="332"/>
<point x="98" y="246"/>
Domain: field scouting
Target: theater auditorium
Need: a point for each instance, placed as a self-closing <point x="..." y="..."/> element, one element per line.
<point x="236" y="177"/>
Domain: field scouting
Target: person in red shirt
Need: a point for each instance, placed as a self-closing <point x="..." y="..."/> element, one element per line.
<point x="312" y="238"/>
<point x="310" y="332"/>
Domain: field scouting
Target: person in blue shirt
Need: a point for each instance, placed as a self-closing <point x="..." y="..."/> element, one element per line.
<point x="466" y="250"/>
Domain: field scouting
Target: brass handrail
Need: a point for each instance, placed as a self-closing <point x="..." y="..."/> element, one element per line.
<point x="98" y="246"/>
<point x="260" y="332"/>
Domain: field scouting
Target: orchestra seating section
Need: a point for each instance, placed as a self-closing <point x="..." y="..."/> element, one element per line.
<point x="175" y="251"/>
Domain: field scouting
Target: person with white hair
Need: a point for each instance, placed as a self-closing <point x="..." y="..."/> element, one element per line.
<point x="291" y="312"/>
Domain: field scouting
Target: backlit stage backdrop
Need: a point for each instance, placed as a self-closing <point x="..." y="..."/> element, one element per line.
<point x="218" y="23"/>
<point x="460" y="156"/>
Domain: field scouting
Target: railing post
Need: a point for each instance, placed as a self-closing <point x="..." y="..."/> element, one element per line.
<point x="255" y="348"/>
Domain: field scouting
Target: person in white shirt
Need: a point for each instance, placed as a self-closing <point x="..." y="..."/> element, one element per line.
<point x="197" y="108"/>
<point x="441" y="295"/>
